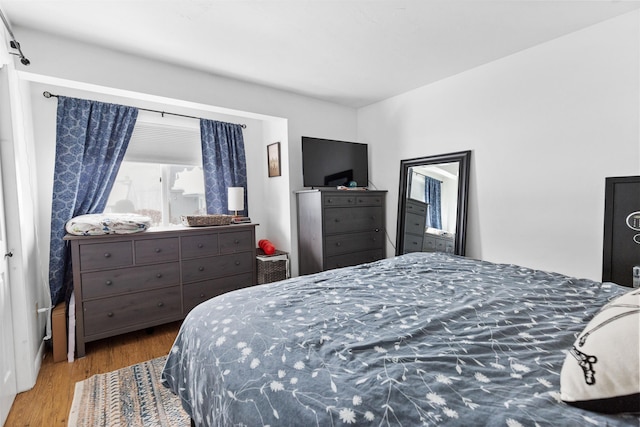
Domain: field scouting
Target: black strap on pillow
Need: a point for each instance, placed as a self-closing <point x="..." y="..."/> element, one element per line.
<point x="613" y="405"/>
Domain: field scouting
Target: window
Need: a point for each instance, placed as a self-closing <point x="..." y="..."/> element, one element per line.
<point x="155" y="190"/>
<point x="161" y="173"/>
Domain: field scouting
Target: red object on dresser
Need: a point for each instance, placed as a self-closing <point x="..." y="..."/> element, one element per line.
<point x="267" y="246"/>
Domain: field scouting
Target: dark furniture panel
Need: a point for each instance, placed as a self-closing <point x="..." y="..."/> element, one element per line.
<point x="414" y="224"/>
<point x="339" y="200"/>
<point x="222" y="265"/>
<point x="344" y="220"/>
<point x="415" y="218"/>
<point x="105" y="283"/>
<point x="353" y="242"/>
<point x="157" y="250"/>
<point x="370" y="199"/>
<point x="119" y="312"/>
<point x="353" y="258"/>
<point x="415" y="243"/>
<point x="124" y="283"/>
<point x="621" y="247"/>
<point x="198" y="292"/>
<point x="339" y="228"/>
<point x="107" y="255"/>
<point x="235" y="242"/>
<point x="199" y="245"/>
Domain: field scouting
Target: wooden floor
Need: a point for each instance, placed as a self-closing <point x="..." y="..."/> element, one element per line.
<point x="49" y="402"/>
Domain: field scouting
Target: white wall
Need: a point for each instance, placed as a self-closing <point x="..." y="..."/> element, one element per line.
<point x="545" y="125"/>
<point x="74" y="64"/>
<point x="75" y="61"/>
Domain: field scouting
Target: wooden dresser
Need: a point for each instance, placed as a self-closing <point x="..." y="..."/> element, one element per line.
<point x="127" y="282"/>
<point x="338" y="228"/>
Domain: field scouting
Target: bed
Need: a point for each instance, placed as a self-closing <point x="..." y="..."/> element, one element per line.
<point x="419" y="339"/>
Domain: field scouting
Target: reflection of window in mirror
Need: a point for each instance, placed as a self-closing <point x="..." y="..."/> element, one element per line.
<point x="437" y="186"/>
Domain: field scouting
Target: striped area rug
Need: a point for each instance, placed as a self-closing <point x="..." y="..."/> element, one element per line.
<point x="131" y="396"/>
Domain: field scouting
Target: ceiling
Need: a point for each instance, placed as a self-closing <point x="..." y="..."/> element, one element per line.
<point x="351" y="52"/>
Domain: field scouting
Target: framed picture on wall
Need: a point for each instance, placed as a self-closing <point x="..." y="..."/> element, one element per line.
<point x="273" y="159"/>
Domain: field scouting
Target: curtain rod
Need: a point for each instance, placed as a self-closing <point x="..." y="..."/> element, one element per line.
<point x="48" y="94"/>
<point x="426" y="176"/>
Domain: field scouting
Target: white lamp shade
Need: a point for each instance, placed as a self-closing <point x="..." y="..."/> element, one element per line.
<point x="236" y="198"/>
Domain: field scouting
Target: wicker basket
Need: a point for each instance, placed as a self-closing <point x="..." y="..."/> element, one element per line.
<point x="272" y="268"/>
<point x="205" y="220"/>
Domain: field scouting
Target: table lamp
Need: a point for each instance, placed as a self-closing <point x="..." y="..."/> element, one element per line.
<point x="236" y="199"/>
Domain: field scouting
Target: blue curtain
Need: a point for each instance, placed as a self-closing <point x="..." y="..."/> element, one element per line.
<point x="224" y="164"/>
<point x="432" y="190"/>
<point x="91" y="139"/>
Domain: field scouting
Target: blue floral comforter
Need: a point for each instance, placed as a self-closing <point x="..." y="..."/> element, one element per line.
<point x="420" y="339"/>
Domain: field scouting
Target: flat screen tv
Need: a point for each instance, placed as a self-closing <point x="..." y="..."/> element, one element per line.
<point x="330" y="163"/>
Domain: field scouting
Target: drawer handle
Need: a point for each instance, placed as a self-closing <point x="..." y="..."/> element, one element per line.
<point x="108" y="283"/>
<point x="349" y="200"/>
<point x="110" y="314"/>
<point x="237" y="262"/>
<point x="160" y="304"/>
<point x="200" y="245"/>
<point x="159" y="275"/>
<point x="337" y="220"/>
<point x="201" y="295"/>
<point x="377" y="230"/>
<point x="201" y="268"/>
<point x="236" y="241"/>
<point x="338" y="244"/>
<point x="329" y="200"/>
<point x="158" y="250"/>
<point x="107" y="255"/>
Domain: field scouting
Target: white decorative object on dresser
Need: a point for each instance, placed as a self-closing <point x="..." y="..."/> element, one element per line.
<point x="124" y="283"/>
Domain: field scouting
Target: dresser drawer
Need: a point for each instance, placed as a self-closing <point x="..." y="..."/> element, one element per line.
<point x="215" y="267"/>
<point x="416" y="207"/>
<point x="353" y="242"/>
<point x="126" y="311"/>
<point x="414" y="223"/>
<point x="105" y="255"/>
<point x="105" y="283"/>
<point x="339" y="200"/>
<point x="198" y="292"/>
<point x="412" y="243"/>
<point x="429" y="243"/>
<point x="156" y="250"/>
<point x="199" y="245"/>
<point x="236" y="242"/>
<point x="369" y="200"/>
<point x="340" y="220"/>
<point x="353" y="259"/>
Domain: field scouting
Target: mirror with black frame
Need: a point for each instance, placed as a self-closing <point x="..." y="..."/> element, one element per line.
<point x="432" y="204"/>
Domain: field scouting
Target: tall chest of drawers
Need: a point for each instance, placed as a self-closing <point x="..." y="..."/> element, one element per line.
<point x="339" y="228"/>
<point x="415" y="218"/>
<point x="124" y="283"/>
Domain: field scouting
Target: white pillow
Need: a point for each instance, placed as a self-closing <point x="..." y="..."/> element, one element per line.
<point x="602" y="370"/>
